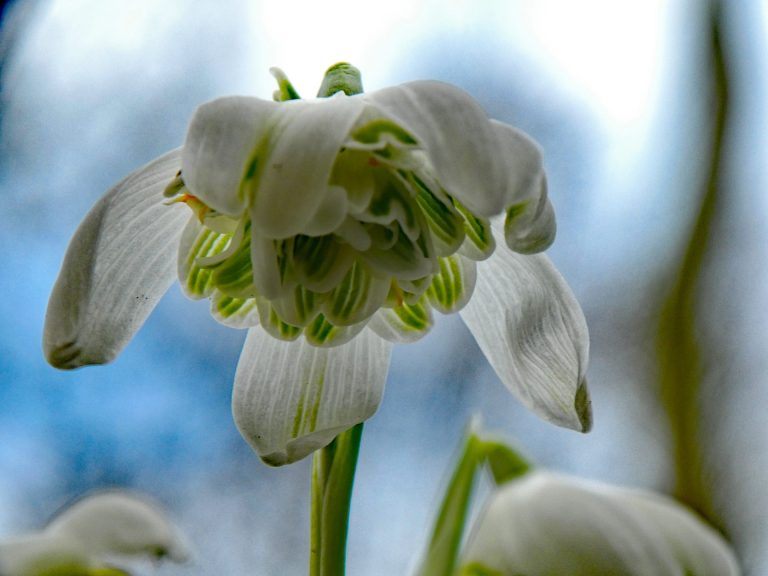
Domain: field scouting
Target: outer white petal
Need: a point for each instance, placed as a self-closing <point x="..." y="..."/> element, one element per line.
<point x="119" y="263"/>
<point x="117" y="522"/>
<point x="294" y="178"/>
<point x="221" y="143"/>
<point x="699" y="548"/>
<point x="458" y="138"/>
<point x="548" y="525"/>
<point x="532" y="330"/>
<point x="34" y="553"/>
<point x="291" y="398"/>
<point x="90" y="533"/>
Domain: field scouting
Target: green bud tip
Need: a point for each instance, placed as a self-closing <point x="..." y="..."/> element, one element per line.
<point x="341" y="77"/>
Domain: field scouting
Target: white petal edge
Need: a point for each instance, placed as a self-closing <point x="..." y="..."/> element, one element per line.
<point x="532" y="331"/>
<point x="544" y="523"/>
<point x="457" y="136"/>
<point x="222" y="140"/>
<point x="291" y="398"/>
<point x="119" y="263"/>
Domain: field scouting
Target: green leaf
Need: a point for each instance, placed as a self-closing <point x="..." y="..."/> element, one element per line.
<point x="443" y="550"/>
<point x="478" y="569"/>
<point x="504" y="462"/>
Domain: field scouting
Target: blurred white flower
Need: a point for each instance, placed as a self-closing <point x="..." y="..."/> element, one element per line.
<point x="543" y="524"/>
<point x="84" y="539"/>
<point x="331" y="228"/>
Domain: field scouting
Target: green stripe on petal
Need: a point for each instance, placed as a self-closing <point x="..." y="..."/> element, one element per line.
<point x="234" y="276"/>
<point x="452" y="287"/>
<point x="403" y="258"/>
<point x="198" y="242"/>
<point x="403" y="323"/>
<point x="479" y="243"/>
<point x="383" y="131"/>
<point x="274" y="325"/>
<point x="324" y="334"/>
<point x="321" y="262"/>
<point x="299" y="306"/>
<point x="234" y="312"/>
<point x="445" y="223"/>
<point x="357" y="296"/>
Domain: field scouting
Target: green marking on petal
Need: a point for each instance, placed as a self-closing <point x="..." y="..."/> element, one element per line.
<point x="234" y="312"/>
<point x="393" y="202"/>
<point x="234" y="276"/>
<point x="414" y="317"/>
<point x="478" y="232"/>
<point x="305" y="421"/>
<point x="320" y="331"/>
<point x="445" y="223"/>
<point x="299" y="306"/>
<point x="403" y="260"/>
<point x="374" y="131"/>
<point x="274" y="325"/>
<point x="453" y="285"/>
<point x="356" y="297"/>
<point x="320" y="262"/>
<point x="197" y="280"/>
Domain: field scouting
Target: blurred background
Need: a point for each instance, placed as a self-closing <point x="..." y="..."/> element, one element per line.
<point x="660" y="197"/>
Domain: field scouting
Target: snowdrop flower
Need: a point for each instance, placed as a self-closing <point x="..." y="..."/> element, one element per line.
<point x="331" y="228"/>
<point x="543" y="524"/>
<point x="83" y="539"/>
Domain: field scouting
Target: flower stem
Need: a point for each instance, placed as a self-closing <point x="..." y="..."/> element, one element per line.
<point x="333" y="474"/>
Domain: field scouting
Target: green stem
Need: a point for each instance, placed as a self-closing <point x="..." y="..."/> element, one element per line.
<point x="333" y="475"/>
<point x="679" y="348"/>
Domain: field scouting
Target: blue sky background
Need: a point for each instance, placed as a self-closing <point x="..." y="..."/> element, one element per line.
<point x="612" y="90"/>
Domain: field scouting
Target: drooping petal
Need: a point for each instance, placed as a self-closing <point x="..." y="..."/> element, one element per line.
<point x="222" y="150"/>
<point x="119" y="263"/>
<point x="294" y="178"/>
<point x="530" y="327"/>
<point x="530" y="223"/>
<point x="524" y="163"/>
<point x="457" y="136"/>
<point x="542" y="523"/>
<point x="291" y="398"/>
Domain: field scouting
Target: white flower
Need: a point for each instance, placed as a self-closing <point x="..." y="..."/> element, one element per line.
<point x="331" y="228"/>
<point x="86" y="536"/>
<point x="543" y="524"/>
